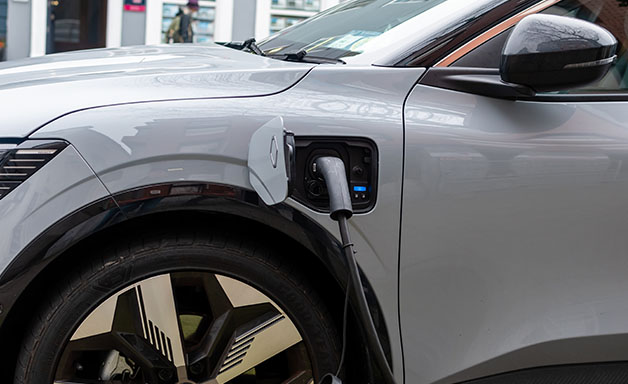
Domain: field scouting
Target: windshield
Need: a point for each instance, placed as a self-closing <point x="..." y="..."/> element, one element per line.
<point x="344" y="30"/>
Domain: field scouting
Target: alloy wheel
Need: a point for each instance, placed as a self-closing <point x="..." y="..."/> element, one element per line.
<point x="186" y="327"/>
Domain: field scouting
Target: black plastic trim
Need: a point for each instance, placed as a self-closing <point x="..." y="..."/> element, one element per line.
<point x="487" y="82"/>
<point x="591" y="373"/>
<point x="580" y="97"/>
<point x="479" y="81"/>
<point x="12" y="140"/>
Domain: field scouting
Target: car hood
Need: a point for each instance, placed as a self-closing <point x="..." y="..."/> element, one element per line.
<point x="37" y="90"/>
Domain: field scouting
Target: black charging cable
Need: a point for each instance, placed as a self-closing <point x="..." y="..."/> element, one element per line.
<point x="332" y="170"/>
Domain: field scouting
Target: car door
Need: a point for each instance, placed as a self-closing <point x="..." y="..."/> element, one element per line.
<point x="514" y="247"/>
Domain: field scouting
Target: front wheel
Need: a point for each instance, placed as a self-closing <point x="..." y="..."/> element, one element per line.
<point x="193" y="309"/>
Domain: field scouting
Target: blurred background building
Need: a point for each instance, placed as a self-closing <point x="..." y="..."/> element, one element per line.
<point x="3" y="26"/>
<point x="37" y="27"/>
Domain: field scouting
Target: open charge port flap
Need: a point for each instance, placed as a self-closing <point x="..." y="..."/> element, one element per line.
<point x="360" y="158"/>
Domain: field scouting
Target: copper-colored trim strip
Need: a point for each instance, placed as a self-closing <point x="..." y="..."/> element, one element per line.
<point x="496" y="30"/>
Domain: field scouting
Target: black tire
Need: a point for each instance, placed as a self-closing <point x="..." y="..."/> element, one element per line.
<point x="109" y="271"/>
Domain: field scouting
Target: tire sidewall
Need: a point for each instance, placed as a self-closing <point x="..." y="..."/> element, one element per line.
<point x="84" y="294"/>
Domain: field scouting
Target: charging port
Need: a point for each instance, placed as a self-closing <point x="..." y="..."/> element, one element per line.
<point x="360" y="156"/>
<point x="316" y="189"/>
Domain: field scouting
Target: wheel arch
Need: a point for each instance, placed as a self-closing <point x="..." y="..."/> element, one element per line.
<point x="162" y="207"/>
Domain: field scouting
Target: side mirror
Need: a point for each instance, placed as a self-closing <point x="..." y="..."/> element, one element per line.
<point x="553" y="53"/>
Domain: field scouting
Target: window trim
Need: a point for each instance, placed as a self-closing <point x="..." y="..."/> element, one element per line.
<point x="486" y="82"/>
<point x="494" y="31"/>
<point x="421" y="54"/>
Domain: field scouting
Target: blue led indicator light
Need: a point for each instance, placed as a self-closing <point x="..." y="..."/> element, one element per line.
<point x="359" y="189"/>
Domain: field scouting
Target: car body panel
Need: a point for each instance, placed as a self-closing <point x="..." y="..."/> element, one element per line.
<point x="92" y="78"/>
<point x="61" y="187"/>
<point x="130" y="146"/>
<point x="513" y="244"/>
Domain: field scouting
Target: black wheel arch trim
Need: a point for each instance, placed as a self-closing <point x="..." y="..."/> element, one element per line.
<point x="123" y="207"/>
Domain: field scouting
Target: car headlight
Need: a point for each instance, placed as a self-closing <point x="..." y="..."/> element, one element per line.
<point x="19" y="162"/>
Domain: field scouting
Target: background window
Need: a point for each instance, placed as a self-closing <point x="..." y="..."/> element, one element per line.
<point x="285" y="13"/>
<point x="303" y="5"/>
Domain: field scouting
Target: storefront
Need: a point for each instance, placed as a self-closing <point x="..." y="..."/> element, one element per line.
<point x="38" y="27"/>
<point x="76" y="24"/>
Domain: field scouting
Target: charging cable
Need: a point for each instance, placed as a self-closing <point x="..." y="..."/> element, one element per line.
<point x="332" y="170"/>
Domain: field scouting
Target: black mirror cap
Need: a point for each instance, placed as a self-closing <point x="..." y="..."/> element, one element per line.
<point x="553" y="53"/>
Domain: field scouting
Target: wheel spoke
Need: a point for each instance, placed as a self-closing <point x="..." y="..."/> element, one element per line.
<point x="141" y="322"/>
<point x="159" y="318"/>
<point x="260" y="330"/>
<point x="254" y="344"/>
<point x="231" y="335"/>
<point x="206" y="355"/>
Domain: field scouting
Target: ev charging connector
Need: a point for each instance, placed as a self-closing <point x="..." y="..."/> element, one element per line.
<point x="332" y="170"/>
<point x="271" y="166"/>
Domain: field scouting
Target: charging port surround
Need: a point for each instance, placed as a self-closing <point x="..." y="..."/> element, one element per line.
<point x="360" y="157"/>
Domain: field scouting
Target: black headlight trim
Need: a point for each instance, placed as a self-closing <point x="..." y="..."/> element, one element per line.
<point x="19" y="162"/>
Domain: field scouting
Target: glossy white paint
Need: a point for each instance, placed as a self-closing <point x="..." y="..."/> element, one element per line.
<point x="133" y="74"/>
<point x="513" y="243"/>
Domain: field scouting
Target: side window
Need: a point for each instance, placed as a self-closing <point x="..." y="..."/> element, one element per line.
<point x="610" y="14"/>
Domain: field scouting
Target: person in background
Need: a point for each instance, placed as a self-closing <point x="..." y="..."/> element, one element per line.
<point x="180" y="30"/>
